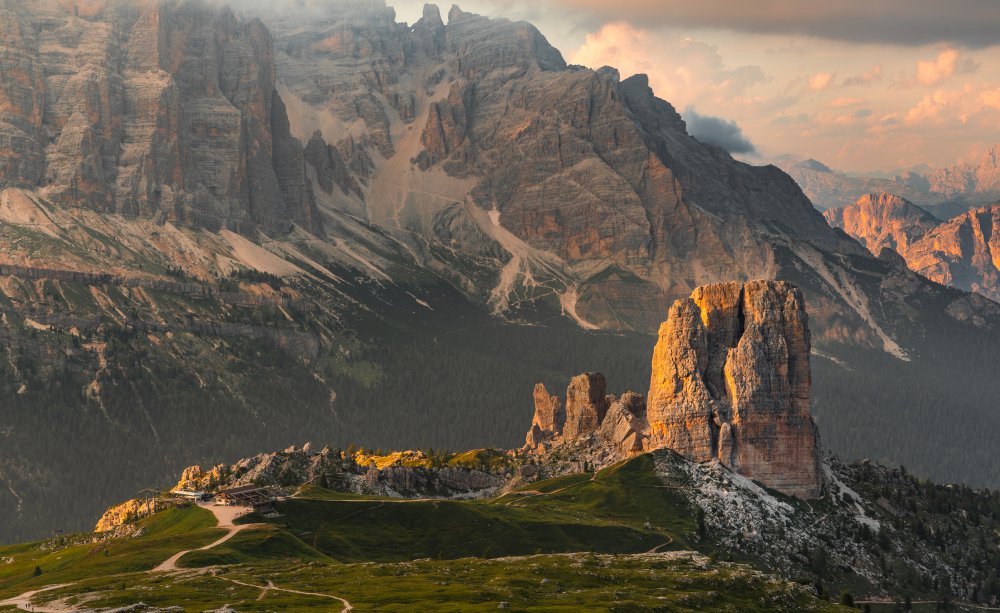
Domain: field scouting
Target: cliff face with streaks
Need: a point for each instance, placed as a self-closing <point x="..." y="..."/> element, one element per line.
<point x="882" y="221"/>
<point x="963" y="252"/>
<point x="154" y="109"/>
<point x="731" y="382"/>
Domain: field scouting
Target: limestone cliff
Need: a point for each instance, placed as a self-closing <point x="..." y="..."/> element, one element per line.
<point x="125" y="513"/>
<point x="156" y="109"/>
<point x="963" y="252"/>
<point x="883" y="220"/>
<point x="730" y="383"/>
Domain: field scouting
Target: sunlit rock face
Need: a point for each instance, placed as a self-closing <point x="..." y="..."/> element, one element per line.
<point x="883" y="220"/>
<point x="731" y="382"/>
<point x="963" y="252"/>
<point x="154" y="109"/>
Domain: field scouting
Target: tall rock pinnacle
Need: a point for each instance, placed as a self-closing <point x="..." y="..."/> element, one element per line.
<point x="731" y="382"/>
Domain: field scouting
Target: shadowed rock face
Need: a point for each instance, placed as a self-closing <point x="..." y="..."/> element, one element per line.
<point x="154" y="109"/>
<point x="731" y="382"/>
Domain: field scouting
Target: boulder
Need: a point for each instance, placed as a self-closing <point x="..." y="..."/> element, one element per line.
<point x="624" y="426"/>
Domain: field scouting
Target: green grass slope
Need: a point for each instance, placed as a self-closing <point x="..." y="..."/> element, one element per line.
<point x="622" y="509"/>
<point x="78" y="557"/>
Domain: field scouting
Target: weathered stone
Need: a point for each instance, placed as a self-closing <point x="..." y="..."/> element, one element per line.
<point x="586" y="405"/>
<point x="963" y="252"/>
<point x="125" y="513"/>
<point x="549" y="413"/>
<point x="731" y="382"/>
<point x="624" y="426"/>
<point x="883" y="220"/>
<point x="159" y="109"/>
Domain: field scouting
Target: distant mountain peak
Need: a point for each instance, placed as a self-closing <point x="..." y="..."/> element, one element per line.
<point x="816" y="165"/>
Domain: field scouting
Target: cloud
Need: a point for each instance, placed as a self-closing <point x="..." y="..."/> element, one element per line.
<point x="946" y="64"/>
<point x="991" y="99"/>
<point x="820" y="81"/>
<point x="717" y="131"/>
<point x="947" y="106"/>
<point x="840" y="103"/>
<point x="681" y="70"/>
<point x="865" y="78"/>
<point x="910" y="23"/>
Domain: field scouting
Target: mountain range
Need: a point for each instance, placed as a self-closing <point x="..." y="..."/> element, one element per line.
<point x="222" y="230"/>
<point x="946" y="192"/>
<point x="720" y="462"/>
<point x="962" y="252"/>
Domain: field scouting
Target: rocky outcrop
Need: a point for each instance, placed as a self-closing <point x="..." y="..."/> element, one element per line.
<point x="624" y="425"/>
<point x="883" y="220"/>
<point x="617" y="426"/>
<point x="549" y="419"/>
<point x="586" y="404"/>
<point x="731" y="382"/>
<point x="408" y="473"/>
<point x="963" y="252"/>
<point x="126" y="513"/>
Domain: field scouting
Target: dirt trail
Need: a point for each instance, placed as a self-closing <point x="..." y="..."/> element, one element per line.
<point x="225" y="516"/>
<point x="271" y="587"/>
<point x="23" y="601"/>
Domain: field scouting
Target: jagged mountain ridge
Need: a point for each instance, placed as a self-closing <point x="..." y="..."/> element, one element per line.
<point x="961" y="252"/>
<point x="755" y="336"/>
<point x="946" y="192"/>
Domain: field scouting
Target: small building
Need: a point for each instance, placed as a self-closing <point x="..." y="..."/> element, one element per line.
<point x="246" y="496"/>
<point x="189" y="495"/>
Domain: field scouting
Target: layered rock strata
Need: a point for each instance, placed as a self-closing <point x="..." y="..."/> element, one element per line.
<point x="156" y="109"/>
<point x="963" y="252"/>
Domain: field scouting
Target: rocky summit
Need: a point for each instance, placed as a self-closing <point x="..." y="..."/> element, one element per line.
<point x="730" y="383"/>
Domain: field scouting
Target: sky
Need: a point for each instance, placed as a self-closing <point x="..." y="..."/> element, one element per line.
<point x="861" y="85"/>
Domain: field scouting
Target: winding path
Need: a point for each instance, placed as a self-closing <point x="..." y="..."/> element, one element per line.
<point x="225" y="516"/>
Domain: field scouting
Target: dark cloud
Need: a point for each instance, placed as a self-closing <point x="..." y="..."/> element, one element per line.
<point x="717" y="131"/>
<point x="971" y="23"/>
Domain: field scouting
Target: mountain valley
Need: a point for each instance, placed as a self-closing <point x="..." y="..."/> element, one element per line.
<point x="322" y="222"/>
